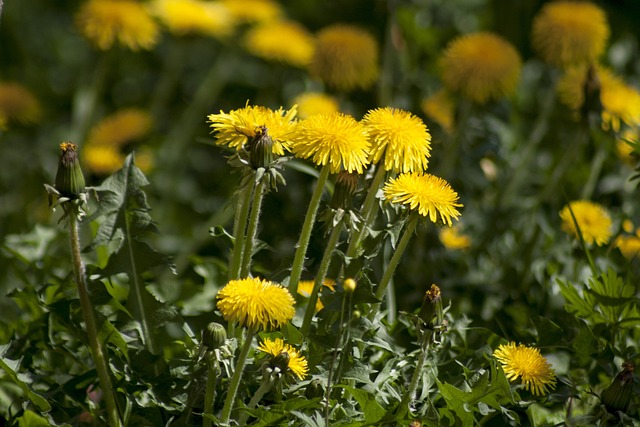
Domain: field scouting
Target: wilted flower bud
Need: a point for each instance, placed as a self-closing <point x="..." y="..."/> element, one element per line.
<point x="617" y="396"/>
<point x="431" y="305"/>
<point x="214" y="336"/>
<point x="345" y="190"/>
<point x="349" y="286"/>
<point x="69" y="179"/>
<point x="261" y="149"/>
<point x="314" y="389"/>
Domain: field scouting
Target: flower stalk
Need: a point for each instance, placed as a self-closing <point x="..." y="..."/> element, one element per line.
<point x="252" y="229"/>
<point x="239" y="227"/>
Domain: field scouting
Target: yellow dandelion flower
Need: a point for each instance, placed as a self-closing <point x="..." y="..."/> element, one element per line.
<point x="481" y="66"/>
<point x="337" y="139"/>
<point x="568" y="33"/>
<point x="431" y="195"/>
<point x="145" y="160"/>
<point x="620" y="102"/>
<point x="101" y="159"/>
<point x="593" y="220"/>
<point x="628" y="245"/>
<point x="121" y="128"/>
<point x="234" y="129"/>
<point x="624" y="149"/>
<point x="104" y="22"/>
<point x="453" y="238"/>
<point x="252" y="11"/>
<point x="297" y="363"/>
<point x="529" y="365"/>
<point x="255" y="302"/>
<point x="18" y="104"/>
<point x="283" y="41"/>
<point x="184" y="17"/>
<point x="440" y="108"/>
<point x="305" y="287"/>
<point x="398" y="137"/>
<point x="311" y="103"/>
<point x="346" y="57"/>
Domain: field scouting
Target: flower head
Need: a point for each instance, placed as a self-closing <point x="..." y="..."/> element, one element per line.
<point x="568" y="33"/>
<point x="255" y="302"/>
<point x="337" y="139"/>
<point x="430" y="195"/>
<point x="18" y="104"/>
<point x="101" y="159"/>
<point x="284" y="41"/>
<point x="310" y="103"/>
<point x="346" y="57"/>
<point x="593" y="220"/>
<point x="305" y="287"/>
<point x="184" y="17"/>
<point x="234" y="129"/>
<point x="398" y="137"/>
<point x="481" y="66"/>
<point x="440" y="108"/>
<point x="121" y="128"/>
<point x="453" y="238"/>
<point x="527" y="363"/>
<point x="297" y="364"/>
<point x="106" y="21"/>
<point x="253" y="11"/>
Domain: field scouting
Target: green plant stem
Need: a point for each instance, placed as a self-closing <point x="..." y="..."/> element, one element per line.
<point x="210" y="392"/>
<point x="319" y="279"/>
<point x="336" y="349"/>
<point x="305" y="234"/>
<point x="252" y="229"/>
<point x="264" y="388"/>
<point x="235" y="379"/>
<point x="594" y="173"/>
<point x="239" y="229"/>
<point x="99" y="358"/>
<point x="417" y="373"/>
<point x="394" y="261"/>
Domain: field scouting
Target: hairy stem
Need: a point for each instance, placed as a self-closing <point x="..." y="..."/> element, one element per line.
<point x="252" y="229"/>
<point x="235" y="379"/>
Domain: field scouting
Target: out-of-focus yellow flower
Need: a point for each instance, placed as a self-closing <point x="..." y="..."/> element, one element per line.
<point x="629" y="246"/>
<point x="253" y="11"/>
<point x="346" y="57"/>
<point x="567" y="33"/>
<point x="592" y="219"/>
<point x="481" y="66"/>
<point x="453" y="238"/>
<point x="121" y="128"/>
<point x="305" y="287"/>
<point x="145" y="159"/>
<point x="311" y="103"/>
<point x="620" y="102"/>
<point x="18" y="104"/>
<point x="182" y="17"/>
<point x="128" y="22"/>
<point x="101" y="159"/>
<point x="624" y="149"/>
<point x="440" y="108"/>
<point x="284" y="41"/>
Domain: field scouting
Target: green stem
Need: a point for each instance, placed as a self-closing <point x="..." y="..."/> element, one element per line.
<point x="239" y="228"/>
<point x="210" y="392"/>
<point x="417" y="373"/>
<point x="252" y="230"/>
<point x="305" y="234"/>
<point x="319" y="279"/>
<point x="264" y="388"/>
<point x="393" y="263"/>
<point x="594" y="173"/>
<point x="336" y="349"/>
<point x="235" y="379"/>
<point x="102" y="367"/>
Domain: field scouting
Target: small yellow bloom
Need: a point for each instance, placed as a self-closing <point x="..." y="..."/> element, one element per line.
<point x="305" y="287"/>
<point x="398" y="137"/>
<point x="337" y="139"/>
<point x="104" y="22"/>
<point x="624" y="149"/>
<point x="440" y="108"/>
<point x="121" y="128"/>
<point x="297" y="363"/>
<point x="254" y="11"/>
<point x="311" y="103"/>
<point x="453" y="238"/>
<point x="101" y="159"/>
<point x="593" y="220"/>
<point x="346" y="57"/>
<point x="529" y="365"/>
<point x="567" y="33"/>
<point x="430" y="195"/>
<point x="284" y="41"/>
<point x="184" y="17"/>
<point x="628" y="245"/>
<point x="255" y="302"/>
<point x="18" y="104"/>
<point x="481" y="66"/>
<point x="234" y="129"/>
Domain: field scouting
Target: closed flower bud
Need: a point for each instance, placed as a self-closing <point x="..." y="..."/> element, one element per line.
<point x="345" y="190"/>
<point x="69" y="179"/>
<point x="314" y="389"/>
<point x="349" y="286"/>
<point x="431" y="305"/>
<point x="214" y="336"/>
<point x="617" y="396"/>
<point x="261" y="149"/>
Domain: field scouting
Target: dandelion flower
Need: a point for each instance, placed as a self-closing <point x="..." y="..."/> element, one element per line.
<point x="453" y="238"/>
<point x="527" y="364"/>
<point x="255" y="302"/>
<point x="121" y="128"/>
<point x="629" y="246"/>
<point x="297" y="363"/>
<point x="593" y="220"/>
<point x="254" y="11"/>
<point x="337" y="139"/>
<point x="18" y="104"/>
<point x="284" y="41"/>
<point x="440" y="108"/>
<point x="400" y="138"/>
<point x="624" y="150"/>
<point x="104" y="22"/>
<point x="481" y="66"/>
<point x="568" y="33"/>
<point x="101" y="159"/>
<point x="311" y="103"/>
<point x="184" y="17"/>
<point x="346" y="57"/>
<point x="305" y="287"/>
<point x="431" y="195"/>
<point x="234" y="129"/>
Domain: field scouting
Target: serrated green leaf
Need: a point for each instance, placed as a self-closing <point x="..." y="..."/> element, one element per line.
<point x="10" y="368"/>
<point x="371" y="409"/>
<point x="31" y="419"/>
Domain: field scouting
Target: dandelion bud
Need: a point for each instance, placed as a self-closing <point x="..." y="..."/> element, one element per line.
<point x="349" y="286"/>
<point x="617" y="396"/>
<point x="69" y="179"/>
<point x="345" y="190"/>
<point x="314" y="389"/>
<point x="214" y="336"/>
<point x="261" y="149"/>
<point x="431" y="305"/>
